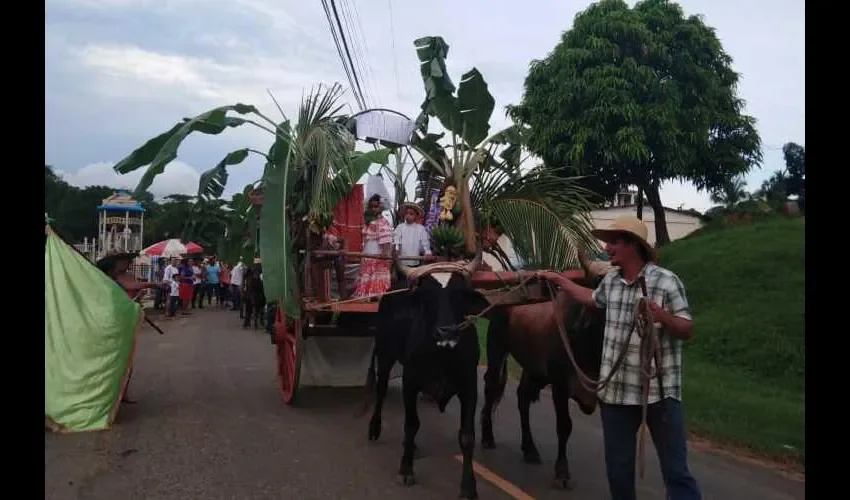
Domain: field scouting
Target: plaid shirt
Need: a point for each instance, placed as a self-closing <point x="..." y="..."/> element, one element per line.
<point x="619" y="299"/>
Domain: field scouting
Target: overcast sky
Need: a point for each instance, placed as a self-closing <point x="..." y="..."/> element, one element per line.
<point x="119" y="72"/>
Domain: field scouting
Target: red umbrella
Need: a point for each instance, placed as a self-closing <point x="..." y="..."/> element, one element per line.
<point x="172" y="248"/>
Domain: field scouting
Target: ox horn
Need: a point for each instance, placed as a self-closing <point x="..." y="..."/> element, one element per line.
<point x="401" y="267"/>
<point x="476" y="262"/>
<point x="592" y="269"/>
<point x="585" y="263"/>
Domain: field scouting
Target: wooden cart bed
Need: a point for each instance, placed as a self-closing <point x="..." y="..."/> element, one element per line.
<point x="349" y="307"/>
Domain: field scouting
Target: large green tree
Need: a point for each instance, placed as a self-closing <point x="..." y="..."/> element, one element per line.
<point x="638" y="96"/>
<point x="72" y="209"/>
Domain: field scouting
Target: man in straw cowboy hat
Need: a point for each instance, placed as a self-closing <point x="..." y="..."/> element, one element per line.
<point x="115" y="264"/>
<point x="634" y="261"/>
<point x="410" y="238"/>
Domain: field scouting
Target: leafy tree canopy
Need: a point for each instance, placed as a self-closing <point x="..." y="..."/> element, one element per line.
<point x="637" y="96"/>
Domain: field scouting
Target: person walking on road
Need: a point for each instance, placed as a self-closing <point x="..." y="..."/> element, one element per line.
<point x="116" y="265"/>
<point x="236" y="278"/>
<point x="186" y="286"/>
<point x="634" y="258"/>
<point x="213" y="285"/>
<point x="196" y="284"/>
<point x="224" y="279"/>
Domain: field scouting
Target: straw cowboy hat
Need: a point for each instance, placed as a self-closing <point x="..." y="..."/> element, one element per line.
<point x="414" y="206"/>
<point x="631" y="226"/>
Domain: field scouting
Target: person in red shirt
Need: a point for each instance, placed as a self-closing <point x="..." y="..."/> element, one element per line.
<point x="224" y="278"/>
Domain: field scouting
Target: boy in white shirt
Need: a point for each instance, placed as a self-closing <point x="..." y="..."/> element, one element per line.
<point x="168" y="277"/>
<point x="174" y="296"/>
<point x="170" y="270"/>
<point x="411" y="238"/>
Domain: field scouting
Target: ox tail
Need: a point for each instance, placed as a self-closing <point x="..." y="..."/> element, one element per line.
<point x="503" y="382"/>
<point x="371" y="377"/>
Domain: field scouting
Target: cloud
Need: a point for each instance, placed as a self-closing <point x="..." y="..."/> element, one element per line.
<point x="178" y="178"/>
<point x="118" y="72"/>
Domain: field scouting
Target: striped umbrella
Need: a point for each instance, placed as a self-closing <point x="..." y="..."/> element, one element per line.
<point x="172" y="248"/>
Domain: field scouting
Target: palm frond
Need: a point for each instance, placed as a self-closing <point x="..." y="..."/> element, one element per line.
<point x="540" y="238"/>
<point x="322" y="144"/>
<point x="544" y="215"/>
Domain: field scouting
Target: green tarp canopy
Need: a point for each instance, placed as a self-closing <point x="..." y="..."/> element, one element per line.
<point x="90" y="327"/>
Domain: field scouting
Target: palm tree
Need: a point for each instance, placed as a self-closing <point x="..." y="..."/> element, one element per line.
<point x="732" y="192"/>
<point x="308" y="168"/>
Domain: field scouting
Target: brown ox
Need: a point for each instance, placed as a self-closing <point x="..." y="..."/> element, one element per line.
<point x="530" y="334"/>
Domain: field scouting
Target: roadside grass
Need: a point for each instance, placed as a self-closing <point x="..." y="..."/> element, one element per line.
<point x="744" y="381"/>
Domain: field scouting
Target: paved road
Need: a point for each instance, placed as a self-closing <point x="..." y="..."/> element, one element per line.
<point x="210" y="424"/>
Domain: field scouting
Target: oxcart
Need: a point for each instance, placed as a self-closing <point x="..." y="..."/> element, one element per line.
<point x="339" y="322"/>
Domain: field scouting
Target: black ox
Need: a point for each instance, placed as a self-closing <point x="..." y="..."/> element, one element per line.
<point x="422" y="329"/>
<point x="530" y="334"/>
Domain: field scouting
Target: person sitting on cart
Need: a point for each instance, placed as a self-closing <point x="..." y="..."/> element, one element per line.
<point x="375" y="274"/>
<point x="411" y="239"/>
<point x="331" y="240"/>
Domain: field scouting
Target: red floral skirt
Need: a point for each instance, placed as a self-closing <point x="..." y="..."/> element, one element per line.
<point x="374" y="277"/>
<point x="186" y="292"/>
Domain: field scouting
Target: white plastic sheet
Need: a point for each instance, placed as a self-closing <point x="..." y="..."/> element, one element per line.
<point x="375" y="185"/>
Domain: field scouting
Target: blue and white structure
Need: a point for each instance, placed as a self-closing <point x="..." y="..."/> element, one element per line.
<point x="121" y="223"/>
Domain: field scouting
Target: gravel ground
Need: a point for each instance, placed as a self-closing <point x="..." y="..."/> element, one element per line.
<point x="210" y="424"/>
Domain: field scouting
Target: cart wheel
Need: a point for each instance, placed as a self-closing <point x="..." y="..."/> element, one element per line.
<point x="288" y="343"/>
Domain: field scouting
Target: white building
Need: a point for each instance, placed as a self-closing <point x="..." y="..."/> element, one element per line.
<point x="680" y="223"/>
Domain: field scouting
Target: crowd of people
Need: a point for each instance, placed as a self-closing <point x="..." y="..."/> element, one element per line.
<point x="188" y="283"/>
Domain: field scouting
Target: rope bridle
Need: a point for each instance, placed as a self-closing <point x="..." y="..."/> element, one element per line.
<point x="644" y="325"/>
<point x="650" y="351"/>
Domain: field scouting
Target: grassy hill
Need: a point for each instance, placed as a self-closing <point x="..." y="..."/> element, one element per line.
<point x="745" y="368"/>
<point x="744" y="381"/>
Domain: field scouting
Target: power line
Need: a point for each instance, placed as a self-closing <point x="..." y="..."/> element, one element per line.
<point x="345" y="13"/>
<point x="345" y="67"/>
<point x="360" y="41"/>
<point x="361" y="102"/>
<point x="395" y="60"/>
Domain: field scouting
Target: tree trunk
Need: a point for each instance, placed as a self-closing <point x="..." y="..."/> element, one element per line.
<point x="640" y="204"/>
<point x="662" y="237"/>
<point x="467" y="222"/>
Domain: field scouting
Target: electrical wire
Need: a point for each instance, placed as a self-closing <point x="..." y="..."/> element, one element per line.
<point x="345" y="67"/>
<point x="359" y="90"/>
<point x="360" y="42"/>
<point x="395" y="59"/>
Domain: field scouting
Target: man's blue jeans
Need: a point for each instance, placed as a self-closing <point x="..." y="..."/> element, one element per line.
<point x="236" y="293"/>
<point x="666" y="424"/>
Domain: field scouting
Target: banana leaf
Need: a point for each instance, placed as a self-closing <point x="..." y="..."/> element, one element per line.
<point x="213" y="181"/>
<point x="162" y="149"/>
